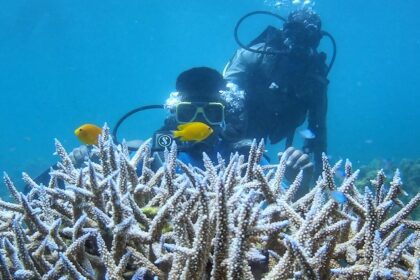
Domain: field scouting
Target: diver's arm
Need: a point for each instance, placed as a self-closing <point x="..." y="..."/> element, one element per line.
<point x="240" y="72"/>
<point x="240" y="68"/>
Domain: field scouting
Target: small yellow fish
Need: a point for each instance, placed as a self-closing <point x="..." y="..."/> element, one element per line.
<point x="193" y="131"/>
<point x="88" y="133"/>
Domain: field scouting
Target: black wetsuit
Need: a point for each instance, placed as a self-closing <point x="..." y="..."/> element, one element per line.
<point x="281" y="92"/>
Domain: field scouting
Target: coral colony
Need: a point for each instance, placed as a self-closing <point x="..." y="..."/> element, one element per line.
<point x="233" y="220"/>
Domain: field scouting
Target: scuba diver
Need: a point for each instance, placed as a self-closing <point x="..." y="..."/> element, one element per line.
<point x="282" y="79"/>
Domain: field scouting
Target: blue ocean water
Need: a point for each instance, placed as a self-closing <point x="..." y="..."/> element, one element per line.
<point x="65" y="63"/>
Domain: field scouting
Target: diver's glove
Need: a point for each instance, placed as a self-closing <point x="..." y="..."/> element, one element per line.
<point x="297" y="160"/>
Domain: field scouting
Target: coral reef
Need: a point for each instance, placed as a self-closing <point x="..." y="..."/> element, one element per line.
<point x="368" y="171"/>
<point x="410" y="170"/>
<point x="233" y="220"/>
<point x="410" y="173"/>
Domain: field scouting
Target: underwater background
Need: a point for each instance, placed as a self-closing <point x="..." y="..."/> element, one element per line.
<point x="65" y="63"/>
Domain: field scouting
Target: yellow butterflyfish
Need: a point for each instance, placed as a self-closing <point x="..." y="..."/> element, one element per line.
<point x="193" y="131"/>
<point x="88" y="133"/>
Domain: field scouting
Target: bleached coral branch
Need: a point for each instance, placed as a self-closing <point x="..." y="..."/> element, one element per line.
<point x="233" y="220"/>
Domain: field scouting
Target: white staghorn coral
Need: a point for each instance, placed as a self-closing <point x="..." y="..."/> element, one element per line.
<point x="233" y="220"/>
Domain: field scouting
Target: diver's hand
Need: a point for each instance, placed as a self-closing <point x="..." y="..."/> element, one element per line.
<point x="297" y="160"/>
<point x="79" y="154"/>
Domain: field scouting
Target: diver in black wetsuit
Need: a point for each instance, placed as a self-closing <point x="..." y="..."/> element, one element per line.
<point x="283" y="79"/>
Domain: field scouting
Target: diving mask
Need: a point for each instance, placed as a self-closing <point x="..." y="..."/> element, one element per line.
<point x="212" y="112"/>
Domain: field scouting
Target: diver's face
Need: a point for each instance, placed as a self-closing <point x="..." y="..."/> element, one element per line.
<point x="302" y="35"/>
